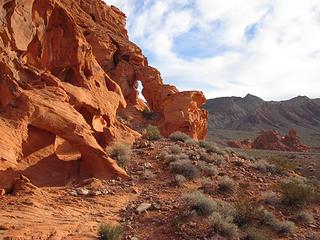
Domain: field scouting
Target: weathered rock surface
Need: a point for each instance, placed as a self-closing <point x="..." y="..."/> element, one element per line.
<point x="66" y="69"/>
<point x="272" y="140"/>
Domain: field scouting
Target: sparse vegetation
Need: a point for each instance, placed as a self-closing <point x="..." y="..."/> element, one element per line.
<point x="185" y="168"/>
<point x="226" y="184"/>
<point x="179" y="136"/>
<point x="152" y="133"/>
<point x="284" y="227"/>
<point x="254" y="234"/>
<point x="209" y="147"/>
<point x="110" y="232"/>
<point x="270" y="198"/>
<point x="304" y="217"/>
<point x="245" y="212"/>
<point x="282" y="165"/>
<point x="197" y="201"/>
<point x="180" y="179"/>
<point x="147" y="114"/>
<point x="208" y="169"/>
<point x="175" y="149"/>
<point x="297" y="191"/>
<point x="263" y="166"/>
<point x="223" y="226"/>
<point x="121" y="153"/>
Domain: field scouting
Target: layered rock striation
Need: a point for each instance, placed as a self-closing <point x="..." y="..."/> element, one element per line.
<point x="66" y="69"/>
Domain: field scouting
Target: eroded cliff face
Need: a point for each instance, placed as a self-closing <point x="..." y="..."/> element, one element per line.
<point x="66" y="69"/>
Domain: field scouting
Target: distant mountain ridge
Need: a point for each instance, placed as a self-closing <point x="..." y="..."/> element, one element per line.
<point x="252" y="113"/>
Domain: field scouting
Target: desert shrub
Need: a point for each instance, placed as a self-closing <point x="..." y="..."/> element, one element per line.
<point x="313" y="236"/>
<point x="152" y="133"/>
<point x="226" y="184"/>
<point x="171" y="158"/>
<point x="183" y="156"/>
<point x="217" y="159"/>
<point x="223" y="226"/>
<point x="208" y="169"/>
<point x="163" y="155"/>
<point x="180" y="179"/>
<point x="266" y="217"/>
<point x="204" y="156"/>
<point x="179" y="136"/>
<point x="254" y="234"/>
<point x="297" y="191"/>
<point x="282" y="165"/>
<point x="245" y="212"/>
<point x="148" y="174"/>
<point x="270" y="198"/>
<point x="175" y="149"/>
<point x="197" y="201"/>
<point x="110" y="232"/>
<point x="284" y="227"/>
<point x="121" y="153"/>
<point x="225" y="209"/>
<point x="147" y="114"/>
<point x="209" y="147"/>
<point x="185" y="168"/>
<point x="304" y="217"/>
<point x="263" y="166"/>
<point x="191" y="141"/>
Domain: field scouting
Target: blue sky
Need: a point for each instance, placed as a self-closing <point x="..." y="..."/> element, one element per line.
<point x="269" y="48"/>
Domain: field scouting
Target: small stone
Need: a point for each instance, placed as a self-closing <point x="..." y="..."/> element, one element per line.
<point x="73" y="193"/>
<point x="6" y="226"/>
<point x="83" y="191"/>
<point x="147" y="165"/>
<point x="95" y="193"/>
<point x="2" y="192"/>
<point x="156" y="206"/>
<point x="143" y="207"/>
<point x="134" y="190"/>
<point x="104" y="191"/>
<point x="134" y="238"/>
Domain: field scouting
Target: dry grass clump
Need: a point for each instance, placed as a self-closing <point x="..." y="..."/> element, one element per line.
<point x="152" y="133"/>
<point x="223" y="226"/>
<point x="226" y="185"/>
<point x="254" y="234"/>
<point x="110" y="232"/>
<point x="263" y="166"/>
<point x="245" y="212"/>
<point x="179" y="136"/>
<point x="121" y="153"/>
<point x="185" y="168"/>
<point x="175" y="149"/>
<point x="197" y="201"/>
<point x="180" y="179"/>
<point x="270" y="198"/>
<point x="208" y="169"/>
<point x="304" y="217"/>
<point x="209" y="147"/>
<point x="282" y="165"/>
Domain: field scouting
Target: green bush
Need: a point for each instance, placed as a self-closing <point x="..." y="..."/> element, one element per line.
<point x="179" y="136"/>
<point x="185" y="168"/>
<point x="121" y="153"/>
<point x="297" y="191"/>
<point x="152" y="133"/>
<point x="282" y="165"/>
<point x="245" y="212"/>
<point x="110" y="232"/>
<point x="197" y="201"/>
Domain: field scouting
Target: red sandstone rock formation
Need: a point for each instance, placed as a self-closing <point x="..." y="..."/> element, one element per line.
<point x="66" y="69"/>
<point x="272" y="140"/>
<point x="244" y="144"/>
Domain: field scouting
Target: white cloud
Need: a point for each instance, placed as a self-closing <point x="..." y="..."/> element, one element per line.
<point x="281" y="59"/>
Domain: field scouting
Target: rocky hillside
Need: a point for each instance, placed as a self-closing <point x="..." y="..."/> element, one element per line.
<point x="67" y="70"/>
<point x="254" y="114"/>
